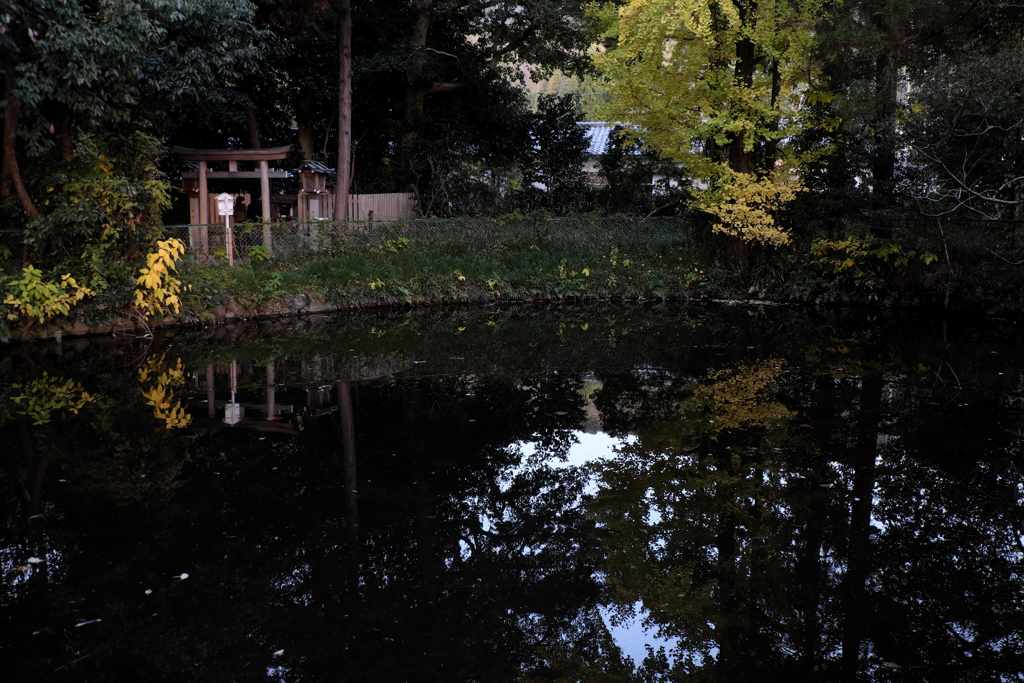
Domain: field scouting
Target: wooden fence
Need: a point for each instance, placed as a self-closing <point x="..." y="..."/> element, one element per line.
<point x="361" y="207"/>
<point x="381" y="207"/>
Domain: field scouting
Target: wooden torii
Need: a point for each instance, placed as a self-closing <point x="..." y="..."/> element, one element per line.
<point x="233" y="156"/>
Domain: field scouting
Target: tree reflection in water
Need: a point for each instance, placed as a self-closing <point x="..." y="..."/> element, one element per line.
<point x="392" y="499"/>
<point x="815" y="532"/>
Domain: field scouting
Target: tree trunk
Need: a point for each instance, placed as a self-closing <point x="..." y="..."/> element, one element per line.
<point x="740" y="159"/>
<point x="344" y="115"/>
<point x="10" y="173"/>
<point x="348" y="450"/>
<point x="307" y="136"/>
<point x="771" y="152"/>
<point x="883" y="163"/>
<point x="416" y="91"/>
<point x="254" y="128"/>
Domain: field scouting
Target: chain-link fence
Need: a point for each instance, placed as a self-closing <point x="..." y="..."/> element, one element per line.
<point x="454" y="236"/>
<point x="485" y="236"/>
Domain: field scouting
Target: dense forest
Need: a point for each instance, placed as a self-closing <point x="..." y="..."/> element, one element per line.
<point x="763" y="118"/>
<point x="899" y="105"/>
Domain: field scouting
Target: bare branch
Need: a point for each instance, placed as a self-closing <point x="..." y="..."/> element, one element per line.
<point x="966" y="188"/>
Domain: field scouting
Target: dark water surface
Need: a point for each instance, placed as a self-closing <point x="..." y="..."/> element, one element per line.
<point x="759" y="494"/>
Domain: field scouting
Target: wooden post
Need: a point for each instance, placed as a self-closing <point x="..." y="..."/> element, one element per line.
<point x="204" y="210"/>
<point x="265" y="195"/>
<point x="195" y="239"/>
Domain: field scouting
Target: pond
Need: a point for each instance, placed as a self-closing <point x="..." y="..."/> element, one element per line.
<point x="525" y="494"/>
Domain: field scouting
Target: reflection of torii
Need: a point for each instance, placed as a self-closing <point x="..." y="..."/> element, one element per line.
<point x="233" y="156"/>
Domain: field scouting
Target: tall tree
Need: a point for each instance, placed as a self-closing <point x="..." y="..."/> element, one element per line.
<point x="344" y="112"/>
<point x="716" y="85"/>
<point x="556" y="179"/>
<point x="875" y="53"/>
<point x="465" y="54"/>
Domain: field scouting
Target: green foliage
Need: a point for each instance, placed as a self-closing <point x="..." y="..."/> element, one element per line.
<point x="106" y="204"/>
<point x="128" y="59"/>
<point x="130" y="63"/>
<point x="638" y="181"/>
<point x="259" y="254"/>
<point x="90" y="87"/>
<point x="424" y="261"/>
<point x="45" y="398"/>
<point x="555" y="179"/>
<point x="102" y="210"/>
<point x="864" y="267"/>
<point x="391" y="246"/>
<point x="36" y="298"/>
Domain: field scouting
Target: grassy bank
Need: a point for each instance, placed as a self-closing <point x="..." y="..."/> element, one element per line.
<point x="425" y="262"/>
<point x="916" y="264"/>
<point x="421" y="262"/>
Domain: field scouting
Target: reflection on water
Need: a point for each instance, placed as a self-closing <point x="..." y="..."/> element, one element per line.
<point x="575" y="494"/>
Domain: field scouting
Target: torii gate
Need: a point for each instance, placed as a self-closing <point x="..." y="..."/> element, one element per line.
<point x="232" y="156"/>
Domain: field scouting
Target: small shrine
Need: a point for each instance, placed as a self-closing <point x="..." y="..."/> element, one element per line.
<point x="316" y="194"/>
<point x="313" y="186"/>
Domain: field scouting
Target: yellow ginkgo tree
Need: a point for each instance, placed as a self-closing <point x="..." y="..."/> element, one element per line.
<point x="721" y="87"/>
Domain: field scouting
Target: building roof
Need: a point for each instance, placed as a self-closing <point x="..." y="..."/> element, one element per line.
<point x="599" y="133"/>
<point x="318" y="167"/>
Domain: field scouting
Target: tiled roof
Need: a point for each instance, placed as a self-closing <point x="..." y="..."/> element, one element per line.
<point x="599" y="133"/>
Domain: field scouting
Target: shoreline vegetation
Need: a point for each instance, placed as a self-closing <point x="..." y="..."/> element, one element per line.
<point x="524" y="259"/>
